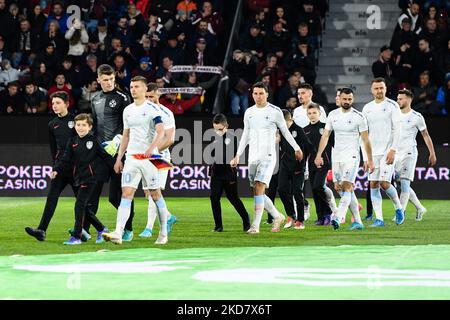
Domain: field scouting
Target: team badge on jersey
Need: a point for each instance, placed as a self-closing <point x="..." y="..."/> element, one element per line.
<point x="227" y="141"/>
<point x="321" y="131"/>
<point x="71" y="124"/>
<point x="294" y="134"/>
<point x="112" y="103"/>
<point x="89" y="145"/>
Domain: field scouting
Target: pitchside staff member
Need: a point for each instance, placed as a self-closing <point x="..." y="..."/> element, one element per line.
<point x="107" y="110"/>
<point x="223" y="177"/>
<point x="60" y="130"/>
<point x="291" y="176"/>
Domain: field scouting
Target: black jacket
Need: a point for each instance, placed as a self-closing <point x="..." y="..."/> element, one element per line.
<point x="107" y="110"/>
<point x="227" y="148"/>
<point x="60" y="130"/>
<point x="287" y="157"/>
<point x="314" y="133"/>
<point x="89" y="161"/>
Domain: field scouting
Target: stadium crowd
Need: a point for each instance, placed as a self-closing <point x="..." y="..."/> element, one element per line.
<point x="45" y="48"/>
<point x="418" y="57"/>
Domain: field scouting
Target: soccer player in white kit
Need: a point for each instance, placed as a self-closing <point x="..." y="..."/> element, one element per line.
<point x="348" y="125"/>
<point x="143" y="132"/>
<point x="260" y="128"/>
<point x="405" y="165"/>
<point x="384" y="121"/>
<point x="168" y="120"/>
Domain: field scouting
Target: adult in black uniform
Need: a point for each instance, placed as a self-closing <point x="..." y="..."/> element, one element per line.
<point x="223" y="177"/>
<point x="317" y="176"/>
<point x="60" y="129"/>
<point x="291" y="176"/>
<point x="90" y="162"/>
<point x="107" y="109"/>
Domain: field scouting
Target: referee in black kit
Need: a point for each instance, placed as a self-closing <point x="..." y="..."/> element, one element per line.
<point x="223" y="177"/>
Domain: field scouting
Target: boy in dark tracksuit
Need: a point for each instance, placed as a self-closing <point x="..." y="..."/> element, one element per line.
<point x="317" y="176"/>
<point x="60" y="129"/>
<point x="291" y="176"/>
<point x="90" y="162"/>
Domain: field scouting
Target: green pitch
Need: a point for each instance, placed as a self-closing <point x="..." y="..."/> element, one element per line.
<point x="396" y="262"/>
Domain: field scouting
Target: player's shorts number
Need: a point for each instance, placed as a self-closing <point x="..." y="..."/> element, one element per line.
<point x="127" y="177"/>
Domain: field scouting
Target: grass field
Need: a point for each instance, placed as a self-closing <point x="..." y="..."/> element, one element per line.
<point x="395" y="262"/>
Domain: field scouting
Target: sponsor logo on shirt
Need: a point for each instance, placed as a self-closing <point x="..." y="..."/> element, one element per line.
<point x="112" y="103"/>
<point x="71" y="124"/>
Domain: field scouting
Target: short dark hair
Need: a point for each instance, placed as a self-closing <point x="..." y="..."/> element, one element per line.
<point x="64" y="96"/>
<point x="84" y="116"/>
<point x="261" y="85"/>
<point x="379" y="79"/>
<point x="139" y="78"/>
<point x="152" y="86"/>
<point x="306" y="86"/>
<point x="105" y="69"/>
<point x="346" y="91"/>
<point x="220" y="119"/>
<point x="407" y="93"/>
<point x="286" y="114"/>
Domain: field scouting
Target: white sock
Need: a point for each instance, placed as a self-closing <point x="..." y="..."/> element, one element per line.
<point x="258" y="209"/>
<point x="404" y="195"/>
<point x="354" y="208"/>
<point x="392" y="193"/>
<point x="330" y="199"/>
<point x="268" y="205"/>
<point x="123" y="213"/>
<point x="162" y="214"/>
<point x="346" y="198"/>
<point x="377" y="202"/>
<point x="152" y="211"/>
<point x="413" y="198"/>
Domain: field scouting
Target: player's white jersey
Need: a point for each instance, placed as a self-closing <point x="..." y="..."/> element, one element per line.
<point x="346" y="126"/>
<point x="141" y="121"/>
<point x="412" y="122"/>
<point x="260" y="128"/>
<point x="168" y="120"/>
<point x="384" y="124"/>
<point x="300" y="116"/>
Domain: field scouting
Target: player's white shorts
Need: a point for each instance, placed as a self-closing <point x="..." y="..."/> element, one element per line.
<point x="383" y="171"/>
<point x="261" y="171"/>
<point x="162" y="180"/>
<point x="135" y="170"/>
<point x="405" y="166"/>
<point x="345" y="171"/>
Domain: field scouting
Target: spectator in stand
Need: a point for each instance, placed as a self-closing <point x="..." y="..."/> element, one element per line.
<point x="117" y="48"/>
<point x="37" y="19"/>
<point x="444" y="58"/>
<point x="242" y="75"/>
<point x="71" y="76"/>
<point x="384" y="67"/>
<point x="183" y="24"/>
<point x="143" y="49"/>
<point x="156" y="33"/>
<point x="404" y="35"/>
<point x="172" y="49"/>
<point x="35" y="100"/>
<point x="277" y="41"/>
<point x="259" y="18"/>
<point x="43" y="77"/>
<point x="404" y="60"/>
<point x="258" y="5"/>
<point x="303" y="33"/>
<point x="10" y="74"/>
<point x="88" y="72"/>
<point x="12" y="23"/>
<point x="440" y="16"/>
<point x="413" y="12"/>
<point x="57" y="15"/>
<point x="136" y="21"/>
<point x="60" y="85"/>
<point x="178" y="107"/>
<point x="434" y="37"/>
<point x="200" y="55"/>
<point x="54" y="36"/>
<point x="165" y="9"/>
<point x="11" y="100"/>
<point x="203" y="33"/>
<point x="104" y="37"/>
<point x="160" y="82"/>
<point x="311" y="17"/>
<point x="270" y="66"/>
<point x="302" y="59"/>
<point x="193" y="82"/>
<point x="124" y="32"/>
<point x="145" y="69"/>
<point x="78" y="39"/>
<point x="3" y="23"/>
<point x="291" y="103"/>
<point x="87" y="92"/>
<point x="186" y="7"/>
<point x="279" y="15"/>
<point x="265" y="78"/>
<point x="253" y="41"/>
<point x="122" y="72"/>
<point x="4" y="53"/>
<point x="213" y="18"/>
<point x="426" y="60"/>
<point x="163" y="71"/>
<point x="25" y="45"/>
<point x="443" y="96"/>
<point x="425" y="95"/>
<point x="93" y="48"/>
<point x="288" y="90"/>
